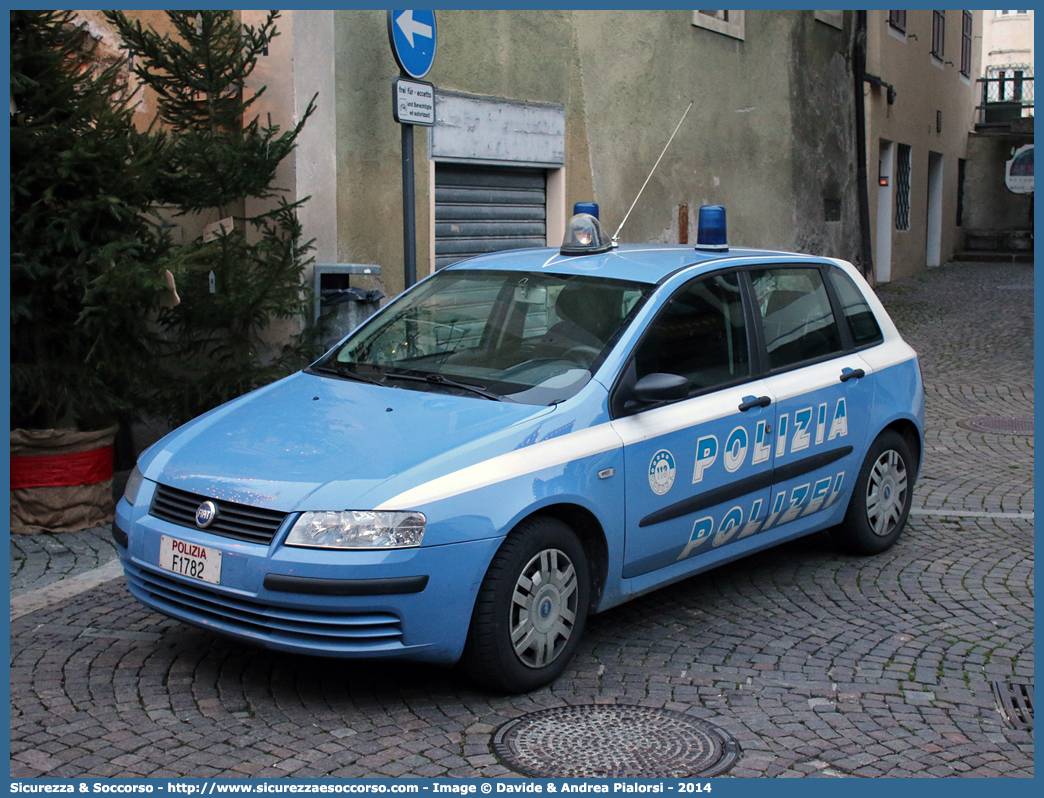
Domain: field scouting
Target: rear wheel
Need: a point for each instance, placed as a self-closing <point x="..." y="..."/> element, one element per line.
<point x="881" y="500"/>
<point x="531" y="608"/>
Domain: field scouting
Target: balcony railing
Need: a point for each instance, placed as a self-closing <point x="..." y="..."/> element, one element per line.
<point x="1005" y="97"/>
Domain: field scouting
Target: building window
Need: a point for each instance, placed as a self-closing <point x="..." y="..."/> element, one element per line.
<point x="1008" y="13"/>
<point x="938" y="33"/>
<point x="897" y="19"/>
<point x="902" y="187"/>
<point x="961" y="166"/>
<point x="966" y="44"/>
<point x="728" y="23"/>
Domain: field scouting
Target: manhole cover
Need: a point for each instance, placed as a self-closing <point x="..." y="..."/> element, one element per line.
<point x="597" y="741"/>
<point x="1003" y="425"/>
<point x="1016" y="704"/>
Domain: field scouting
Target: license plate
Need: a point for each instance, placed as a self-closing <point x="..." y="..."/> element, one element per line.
<point x="190" y="559"/>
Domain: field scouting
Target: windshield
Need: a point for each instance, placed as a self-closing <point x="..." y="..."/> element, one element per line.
<point x="519" y="336"/>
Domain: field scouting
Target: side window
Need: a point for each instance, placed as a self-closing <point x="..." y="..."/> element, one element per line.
<point x="861" y="321"/>
<point x="796" y="315"/>
<point x="700" y="334"/>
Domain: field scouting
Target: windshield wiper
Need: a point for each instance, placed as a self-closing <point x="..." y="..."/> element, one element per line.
<point x="343" y="371"/>
<point x="438" y="379"/>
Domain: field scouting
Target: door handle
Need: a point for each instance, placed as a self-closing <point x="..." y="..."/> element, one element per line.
<point x="761" y="401"/>
<point x="854" y="374"/>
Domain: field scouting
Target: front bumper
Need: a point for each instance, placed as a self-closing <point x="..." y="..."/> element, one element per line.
<point x="406" y="603"/>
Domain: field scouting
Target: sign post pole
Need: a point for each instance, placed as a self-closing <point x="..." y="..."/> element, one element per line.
<point x="409" y="213"/>
<point x="412" y="35"/>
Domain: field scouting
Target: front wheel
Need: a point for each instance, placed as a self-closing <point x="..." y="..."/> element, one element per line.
<point x="531" y="608"/>
<point x="881" y="500"/>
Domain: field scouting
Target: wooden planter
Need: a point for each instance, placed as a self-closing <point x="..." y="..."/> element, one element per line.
<point x="61" y="480"/>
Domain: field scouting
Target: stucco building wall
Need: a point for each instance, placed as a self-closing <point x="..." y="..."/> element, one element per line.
<point x="996" y="210"/>
<point x="933" y="112"/>
<point x="1007" y="38"/>
<point x="770" y="134"/>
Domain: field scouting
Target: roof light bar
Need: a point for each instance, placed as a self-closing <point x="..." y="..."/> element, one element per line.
<point x="713" y="232"/>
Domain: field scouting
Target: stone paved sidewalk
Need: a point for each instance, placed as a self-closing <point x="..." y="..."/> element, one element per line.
<point x="819" y="664"/>
<point x="972" y="326"/>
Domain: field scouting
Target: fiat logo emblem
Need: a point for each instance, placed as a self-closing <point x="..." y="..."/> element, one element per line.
<point x="205" y="514"/>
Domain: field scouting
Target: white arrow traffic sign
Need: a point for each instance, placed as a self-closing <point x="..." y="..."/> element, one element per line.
<point x="411" y="27"/>
<point x="413" y="36"/>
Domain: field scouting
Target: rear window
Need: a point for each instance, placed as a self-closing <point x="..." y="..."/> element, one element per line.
<point x="857" y="313"/>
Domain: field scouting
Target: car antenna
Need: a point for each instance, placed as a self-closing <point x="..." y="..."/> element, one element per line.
<point x="616" y="235"/>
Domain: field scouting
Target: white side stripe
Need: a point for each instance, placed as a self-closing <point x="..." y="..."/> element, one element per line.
<point x="546" y="454"/>
<point x="682" y="415"/>
<point x="597" y="439"/>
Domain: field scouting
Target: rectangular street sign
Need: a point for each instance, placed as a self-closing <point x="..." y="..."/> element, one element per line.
<point x="414" y="102"/>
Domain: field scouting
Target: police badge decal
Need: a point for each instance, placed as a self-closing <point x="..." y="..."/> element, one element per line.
<point x="661" y="472"/>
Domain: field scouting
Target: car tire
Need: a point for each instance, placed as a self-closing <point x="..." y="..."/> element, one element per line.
<point x="881" y="500"/>
<point x="531" y="608"/>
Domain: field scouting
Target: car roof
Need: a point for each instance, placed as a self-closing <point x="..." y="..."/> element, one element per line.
<point x="643" y="263"/>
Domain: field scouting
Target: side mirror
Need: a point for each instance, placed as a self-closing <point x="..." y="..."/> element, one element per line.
<point x="653" y="388"/>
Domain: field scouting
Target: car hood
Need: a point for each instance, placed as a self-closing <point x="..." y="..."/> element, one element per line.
<point x="280" y="445"/>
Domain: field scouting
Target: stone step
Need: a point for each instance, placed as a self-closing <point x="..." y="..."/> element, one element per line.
<point x="993" y="256"/>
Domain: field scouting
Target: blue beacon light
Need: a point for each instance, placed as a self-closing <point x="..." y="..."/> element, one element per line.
<point x="586" y="207"/>
<point x="712" y="232"/>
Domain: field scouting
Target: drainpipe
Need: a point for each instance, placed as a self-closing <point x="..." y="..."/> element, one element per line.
<point x="862" y="186"/>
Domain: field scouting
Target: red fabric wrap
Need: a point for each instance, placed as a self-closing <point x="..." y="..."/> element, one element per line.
<point x="55" y="470"/>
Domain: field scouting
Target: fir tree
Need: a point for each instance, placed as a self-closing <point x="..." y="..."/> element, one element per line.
<point x="83" y="251"/>
<point x="233" y="286"/>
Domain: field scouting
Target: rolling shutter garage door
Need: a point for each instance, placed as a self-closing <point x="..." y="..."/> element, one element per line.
<point x="486" y="209"/>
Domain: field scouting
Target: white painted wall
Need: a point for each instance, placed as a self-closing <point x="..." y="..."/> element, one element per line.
<point x="935" y="209"/>
<point x="300" y="64"/>
<point x="885" y="194"/>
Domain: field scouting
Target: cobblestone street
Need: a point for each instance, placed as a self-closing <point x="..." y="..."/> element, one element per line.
<point x="817" y="663"/>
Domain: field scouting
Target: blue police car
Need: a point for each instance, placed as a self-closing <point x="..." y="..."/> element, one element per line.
<point x="527" y="437"/>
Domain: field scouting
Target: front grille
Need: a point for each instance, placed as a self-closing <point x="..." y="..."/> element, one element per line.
<point x="236" y="521"/>
<point x="328" y="632"/>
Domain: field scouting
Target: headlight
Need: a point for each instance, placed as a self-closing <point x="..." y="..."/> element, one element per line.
<point x="130" y="493"/>
<point x="357" y="529"/>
